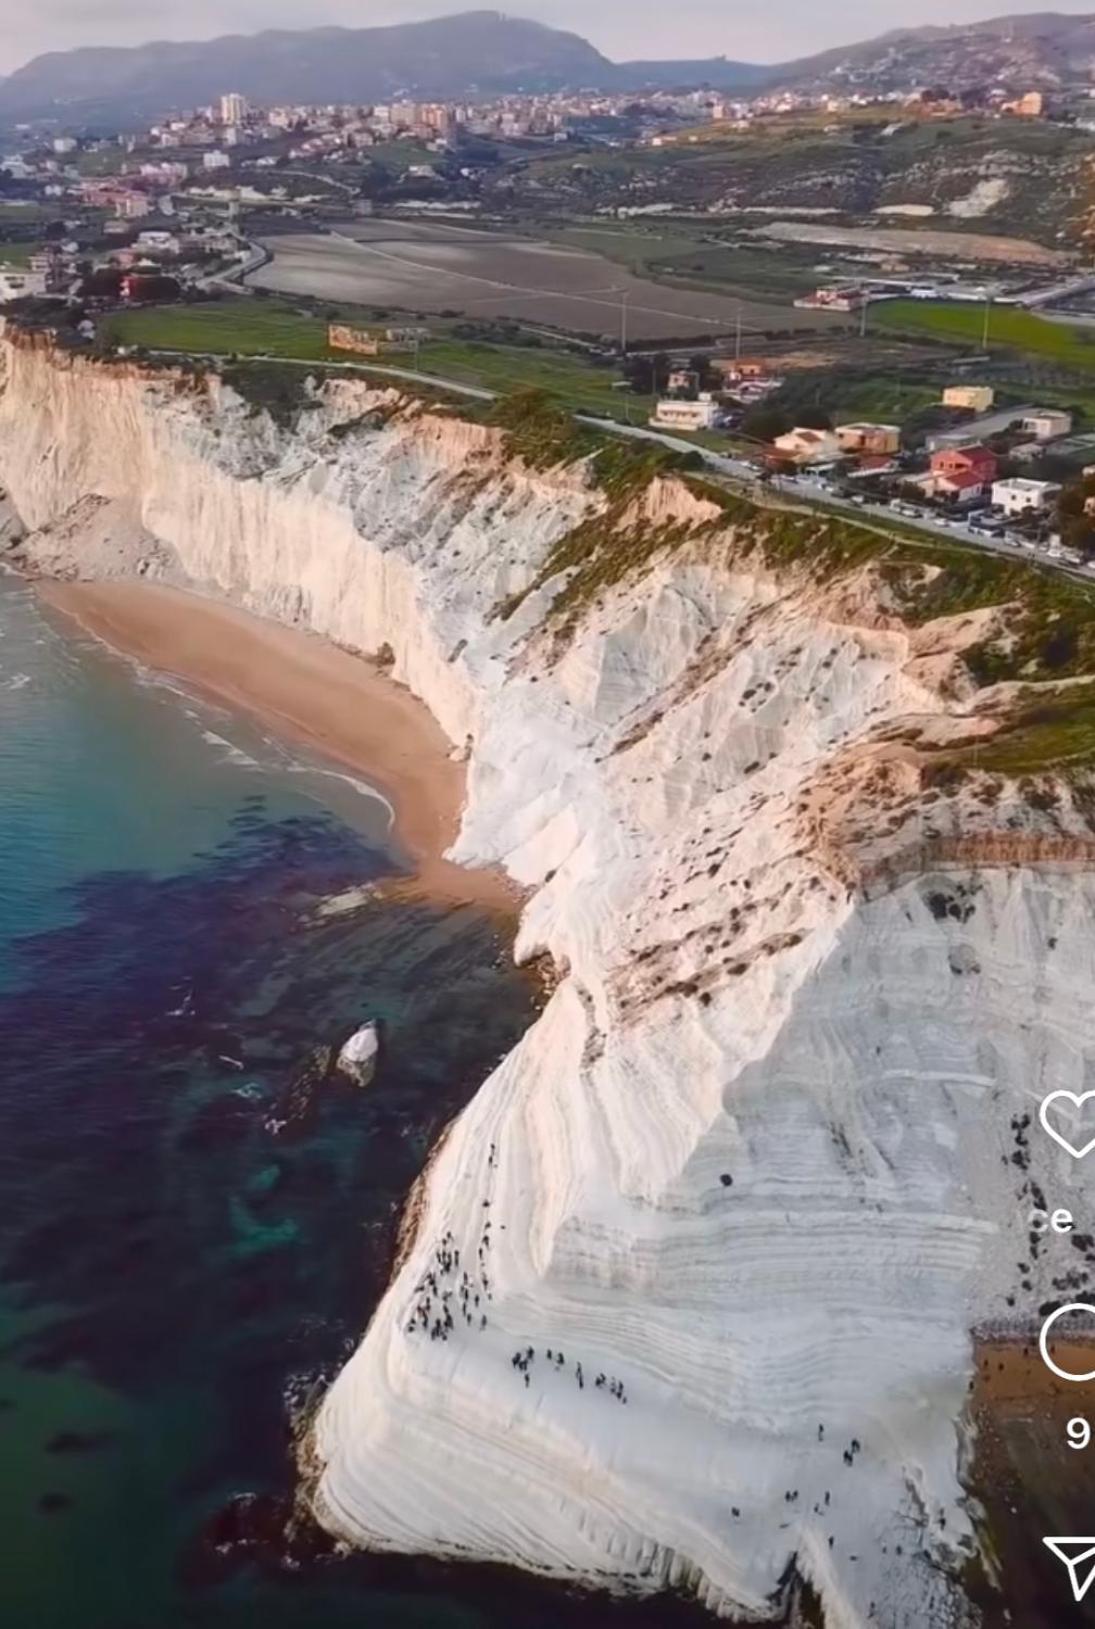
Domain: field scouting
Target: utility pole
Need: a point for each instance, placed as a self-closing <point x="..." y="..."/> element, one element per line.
<point x="985" y="333"/>
<point x="863" y="318"/>
<point x="623" y="327"/>
<point x="737" y="339"/>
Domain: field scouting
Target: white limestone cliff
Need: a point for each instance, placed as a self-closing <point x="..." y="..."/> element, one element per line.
<point x="754" y="1162"/>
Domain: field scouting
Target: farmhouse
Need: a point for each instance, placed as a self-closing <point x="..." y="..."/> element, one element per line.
<point x="872" y="440"/>
<point x="978" y="397"/>
<point x="807" y="446"/>
<point x="704" y="414"/>
<point x="341" y="337"/>
<point x="1047" y="423"/>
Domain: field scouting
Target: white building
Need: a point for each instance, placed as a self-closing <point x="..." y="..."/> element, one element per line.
<point x="171" y="175"/>
<point x="702" y="415"/>
<point x="216" y="161"/>
<point x="158" y="242"/>
<point x="234" y="108"/>
<point x="17" y="282"/>
<point x="1047" y="423"/>
<point x="1022" y="497"/>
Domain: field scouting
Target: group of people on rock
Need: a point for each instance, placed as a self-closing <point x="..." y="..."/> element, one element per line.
<point x="615" y="1387"/>
<point x="432" y="1312"/>
<point x="522" y="1361"/>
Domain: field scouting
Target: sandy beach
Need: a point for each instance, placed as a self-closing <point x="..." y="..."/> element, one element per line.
<point x="306" y="691"/>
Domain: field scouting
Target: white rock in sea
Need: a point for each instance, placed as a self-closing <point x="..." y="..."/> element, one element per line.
<point x="358" y="1056"/>
<point x="755" y="1166"/>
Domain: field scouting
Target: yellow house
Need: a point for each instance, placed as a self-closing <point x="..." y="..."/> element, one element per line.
<point x="978" y="397"/>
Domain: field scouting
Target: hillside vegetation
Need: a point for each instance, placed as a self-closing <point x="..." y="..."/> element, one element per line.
<point x="1039" y="174"/>
<point x="1049" y="619"/>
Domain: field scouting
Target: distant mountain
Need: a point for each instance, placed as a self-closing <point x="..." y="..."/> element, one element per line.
<point x="1041" y="49"/>
<point x="486" y="52"/>
<point x="475" y="51"/>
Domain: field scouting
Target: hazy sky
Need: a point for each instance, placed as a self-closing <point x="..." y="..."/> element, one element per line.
<point x="774" y="31"/>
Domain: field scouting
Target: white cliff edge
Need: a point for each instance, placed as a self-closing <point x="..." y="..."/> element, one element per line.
<point x="753" y="1162"/>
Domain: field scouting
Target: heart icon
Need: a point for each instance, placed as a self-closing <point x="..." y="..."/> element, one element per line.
<point x="1077" y="1102"/>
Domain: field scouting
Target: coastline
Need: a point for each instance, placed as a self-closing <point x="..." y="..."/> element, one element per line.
<point x="309" y="692"/>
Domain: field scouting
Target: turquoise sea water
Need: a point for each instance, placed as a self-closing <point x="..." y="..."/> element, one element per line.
<point x="173" y="1274"/>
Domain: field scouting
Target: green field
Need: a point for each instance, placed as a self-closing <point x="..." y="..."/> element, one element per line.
<point x="12" y="211"/>
<point x="400" y="155"/>
<point x="1009" y="327"/>
<point x="261" y="328"/>
<point x="891" y="397"/>
<point x="17" y="254"/>
<point x="506" y="368"/>
<point x="246" y="327"/>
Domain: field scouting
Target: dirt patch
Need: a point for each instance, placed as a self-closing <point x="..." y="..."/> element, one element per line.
<point x="417" y="266"/>
<point x="960" y="245"/>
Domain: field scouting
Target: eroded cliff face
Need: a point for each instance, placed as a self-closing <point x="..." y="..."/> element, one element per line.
<point x="752" y="1169"/>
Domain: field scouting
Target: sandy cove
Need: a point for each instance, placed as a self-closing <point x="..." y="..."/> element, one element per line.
<point x="306" y="691"/>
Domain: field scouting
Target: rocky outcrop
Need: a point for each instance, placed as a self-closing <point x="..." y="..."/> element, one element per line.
<point x="690" y="1294"/>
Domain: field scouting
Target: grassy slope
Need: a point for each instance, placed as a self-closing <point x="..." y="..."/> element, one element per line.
<point x="849" y="165"/>
<point x="512" y="368"/>
<point x="267" y="328"/>
<point x="1050" y="637"/>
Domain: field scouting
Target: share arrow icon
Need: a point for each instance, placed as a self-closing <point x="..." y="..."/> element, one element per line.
<point x="1078" y="1555"/>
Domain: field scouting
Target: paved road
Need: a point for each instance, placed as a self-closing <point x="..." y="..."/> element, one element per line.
<point x="231" y="280"/>
<point x="956" y="531"/>
<point x="352" y="367"/>
<point x="806" y="493"/>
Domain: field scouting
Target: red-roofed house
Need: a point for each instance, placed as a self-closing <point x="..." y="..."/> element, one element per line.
<point x="961" y="462"/>
<point x="960" y="472"/>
